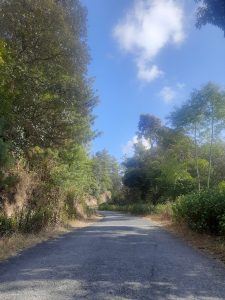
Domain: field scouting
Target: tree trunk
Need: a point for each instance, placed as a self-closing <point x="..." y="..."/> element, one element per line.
<point x="196" y="160"/>
<point x="210" y="151"/>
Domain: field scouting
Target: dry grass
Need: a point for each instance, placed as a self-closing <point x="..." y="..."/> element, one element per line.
<point x="12" y="245"/>
<point x="208" y="244"/>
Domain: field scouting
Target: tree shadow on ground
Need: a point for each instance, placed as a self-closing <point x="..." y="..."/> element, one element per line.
<point x="117" y="258"/>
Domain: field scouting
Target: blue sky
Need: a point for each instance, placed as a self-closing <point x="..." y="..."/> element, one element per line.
<point x="147" y="56"/>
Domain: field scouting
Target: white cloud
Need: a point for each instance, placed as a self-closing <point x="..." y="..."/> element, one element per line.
<point x="149" y="73"/>
<point x="147" y="28"/>
<point x="169" y="94"/>
<point x="128" y="149"/>
<point x="145" y="143"/>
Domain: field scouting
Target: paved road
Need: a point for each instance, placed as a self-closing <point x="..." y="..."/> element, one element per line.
<point x="119" y="257"/>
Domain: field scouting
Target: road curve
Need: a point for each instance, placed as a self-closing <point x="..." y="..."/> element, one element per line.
<point x="119" y="257"/>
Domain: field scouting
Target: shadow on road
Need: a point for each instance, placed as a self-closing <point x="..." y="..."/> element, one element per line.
<point x="120" y="257"/>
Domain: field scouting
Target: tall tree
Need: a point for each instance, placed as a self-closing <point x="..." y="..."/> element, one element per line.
<point x="49" y="98"/>
<point x="204" y="113"/>
<point x="189" y="117"/>
<point x="148" y="127"/>
<point x="107" y="172"/>
<point x="213" y="100"/>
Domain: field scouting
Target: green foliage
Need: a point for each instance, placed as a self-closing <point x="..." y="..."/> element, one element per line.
<point x="202" y="116"/>
<point x="221" y="186"/>
<point x="8" y="182"/>
<point x="212" y="12"/>
<point x="203" y="212"/>
<point x="4" y="154"/>
<point x="184" y="186"/>
<point x="165" y="210"/>
<point x="47" y="98"/>
<point x="27" y="222"/>
<point x="139" y="208"/>
<point x="7" y="225"/>
<point x="134" y="208"/>
<point x="164" y="172"/>
<point x="149" y="127"/>
<point x="35" y="220"/>
<point x="107" y="172"/>
<point x="72" y="200"/>
<point x="182" y="163"/>
<point x="46" y="115"/>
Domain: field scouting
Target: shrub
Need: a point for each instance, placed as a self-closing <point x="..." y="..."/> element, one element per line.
<point x="35" y="220"/>
<point x="31" y="221"/>
<point x="69" y="207"/>
<point x="164" y="209"/>
<point x="140" y="208"/>
<point x="7" y="225"/>
<point x="203" y="212"/>
<point x="183" y="187"/>
<point x="133" y="208"/>
<point x="8" y="182"/>
<point x="221" y="186"/>
<point x="109" y="206"/>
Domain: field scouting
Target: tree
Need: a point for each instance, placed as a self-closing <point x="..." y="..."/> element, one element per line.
<point x="189" y="118"/>
<point x="203" y="115"/>
<point x="48" y="97"/>
<point x="107" y="172"/>
<point x="213" y="100"/>
<point x="46" y="108"/>
<point x="148" y="127"/>
<point x="212" y="12"/>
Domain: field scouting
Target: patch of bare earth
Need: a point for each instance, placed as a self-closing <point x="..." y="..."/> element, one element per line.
<point x="12" y="245"/>
<point x="208" y="244"/>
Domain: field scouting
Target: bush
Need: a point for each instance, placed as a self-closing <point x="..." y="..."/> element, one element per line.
<point x="203" y="212"/>
<point x="165" y="210"/>
<point x="8" y="182"/>
<point x="221" y="187"/>
<point x="140" y="208"/>
<point x="7" y="225"/>
<point x="109" y="206"/>
<point x="35" y="220"/>
<point x="69" y="206"/>
<point x="133" y="208"/>
<point x="183" y="187"/>
<point x="31" y="221"/>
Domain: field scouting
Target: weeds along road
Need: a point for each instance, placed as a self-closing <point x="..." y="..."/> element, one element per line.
<point x="119" y="257"/>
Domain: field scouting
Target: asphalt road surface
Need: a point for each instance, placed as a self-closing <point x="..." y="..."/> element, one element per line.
<point x="119" y="257"/>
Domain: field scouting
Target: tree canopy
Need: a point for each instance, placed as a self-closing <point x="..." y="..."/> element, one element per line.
<point x="46" y="115"/>
<point x="212" y="12"/>
<point x="185" y="156"/>
<point x="48" y="98"/>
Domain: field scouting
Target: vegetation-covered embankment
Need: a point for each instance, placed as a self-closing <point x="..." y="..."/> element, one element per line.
<point x="47" y="175"/>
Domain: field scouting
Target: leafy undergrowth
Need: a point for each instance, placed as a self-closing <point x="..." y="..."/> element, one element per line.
<point x="203" y="212"/>
<point x="164" y="210"/>
<point x="134" y="208"/>
<point x="13" y="244"/>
